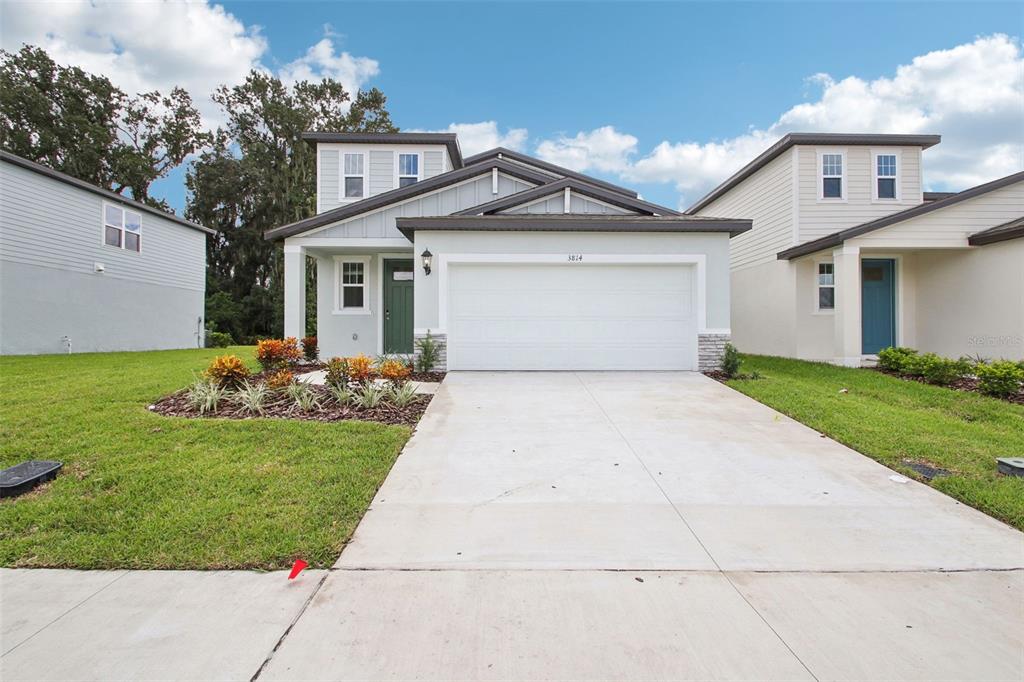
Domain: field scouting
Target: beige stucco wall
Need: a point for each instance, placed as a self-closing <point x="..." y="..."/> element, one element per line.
<point x="971" y="302"/>
<point x="763" y="319"/>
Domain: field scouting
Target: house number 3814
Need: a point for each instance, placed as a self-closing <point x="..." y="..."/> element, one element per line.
<point x="575" y="257"/>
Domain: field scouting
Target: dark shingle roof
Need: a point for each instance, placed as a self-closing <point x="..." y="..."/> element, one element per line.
<point x="576" y="186"/>
<point x="852" y="139"/>
<point x="447" y="139"/>
<point x="1000" y="233"/>
<point x="572" y="223"/>
<point x="555" y="170"/>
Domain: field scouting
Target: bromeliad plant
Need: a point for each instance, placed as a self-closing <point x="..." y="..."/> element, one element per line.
<point x="205" y="396"/>
<point x="369" y="396"/>
<point x="402" y="395"/>
<point x="252" y="397"/>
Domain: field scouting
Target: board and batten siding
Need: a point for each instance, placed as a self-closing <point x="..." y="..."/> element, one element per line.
<point x="380" y="224"/>
<point x="577" y="204"/>
<point x="822" y="217"/>
<point x="766" y="198"/>
<point x="51" y="242"/>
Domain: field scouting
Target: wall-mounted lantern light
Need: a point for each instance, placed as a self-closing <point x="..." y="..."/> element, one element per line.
<point x="427" y="259"/>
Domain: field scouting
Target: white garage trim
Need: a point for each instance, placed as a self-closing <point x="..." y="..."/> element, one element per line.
<point x="574" y="260"/>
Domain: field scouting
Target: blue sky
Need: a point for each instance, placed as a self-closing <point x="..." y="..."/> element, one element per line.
<point x="716" y="76"/>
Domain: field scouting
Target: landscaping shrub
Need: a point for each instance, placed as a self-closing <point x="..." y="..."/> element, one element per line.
<point x="402" y="395"/>
<point x="205" y="396"/>
<point x="252" y="397"/>
<point x="369" y="396"/>
<point x="894" y="359"/>
<point x="303" y="397"/>
<point x="360" y="368"/>
<point x="341" y="393"/>
<point x="227" y="370"/>
<point x="337" y="372"/>
<point x="310" y="349"/>
<point x="429" y="353"/>
<point x="395" y="371"/>
<point x="277" y="353"/>
<point x="1002" y="378"/>
<point x="218" y="339"/>
<point x="730" y="361"/>
<point x="282" y="378"/>
<point x="937" y="370"/>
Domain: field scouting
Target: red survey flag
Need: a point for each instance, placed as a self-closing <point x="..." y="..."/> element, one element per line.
<point x="297" y="568"/>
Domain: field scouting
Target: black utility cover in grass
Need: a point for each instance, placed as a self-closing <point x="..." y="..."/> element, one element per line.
<point x="21" y="478"/>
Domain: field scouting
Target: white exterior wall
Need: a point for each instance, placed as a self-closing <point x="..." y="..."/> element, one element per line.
<point x="972" y="302"/>
<point x="380" y="164"/>
<point x="820" y="217"/>
<point x="712" y="247"/>
<point x="51" y="238"/>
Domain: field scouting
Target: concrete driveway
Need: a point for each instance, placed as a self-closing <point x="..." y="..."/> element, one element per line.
<point x="654" y="526"/>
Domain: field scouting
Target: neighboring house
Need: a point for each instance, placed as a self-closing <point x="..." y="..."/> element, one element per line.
<point x="508" y="261"/>
<point x="83" y="269"/>
<point x="848" y="255"/>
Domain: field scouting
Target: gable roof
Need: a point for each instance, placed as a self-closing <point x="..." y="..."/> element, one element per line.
<point x="402" y="193"/>
<point x="39" y="168"/>
<point x="571" y="223"/>
<point x="792" y="139"/>
<point x="502" y="152"/>
<point x="837" y="238"/>
<point x="447" y="139"/>
<point x="577" y="187"/>
<point x="1000" y="233"/>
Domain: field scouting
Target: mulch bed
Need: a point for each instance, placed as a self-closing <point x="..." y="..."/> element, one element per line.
<point x="428" y="376"/>
<point x="966" y="384"/>
<point x="717" y="375"/>
<point x="280" y="406"/>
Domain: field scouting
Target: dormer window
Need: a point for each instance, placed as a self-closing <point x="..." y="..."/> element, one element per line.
<point x="885" y="176"/>
<point x="832" y="175"/>
<point x="354" y="176"/>
<point x="408" y="169"/>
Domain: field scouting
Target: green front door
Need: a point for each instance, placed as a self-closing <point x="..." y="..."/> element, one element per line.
<point x="398" y="276"/>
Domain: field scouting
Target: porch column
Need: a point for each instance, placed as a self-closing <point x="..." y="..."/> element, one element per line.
<point x="846" y="265"/>
<point x="294" y="291"/>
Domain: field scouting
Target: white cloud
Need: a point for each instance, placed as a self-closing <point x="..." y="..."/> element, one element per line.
<point x="602" y="149"/>
<point x="144" y="46"/>
<point x="971" y="94"/>
<point x="479" y="137"/>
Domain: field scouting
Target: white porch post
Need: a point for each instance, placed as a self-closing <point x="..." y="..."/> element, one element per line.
<point x="294" y="291"/>
<point x="846" y="260"/>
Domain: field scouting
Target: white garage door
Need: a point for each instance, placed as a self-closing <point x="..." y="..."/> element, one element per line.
<point x="519" y="316"/>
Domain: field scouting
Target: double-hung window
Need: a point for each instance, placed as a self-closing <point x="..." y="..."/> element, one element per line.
<point x="885" y="176"/>
<point x="354" y="176"/>
<point x="408" y="169"/>
<point x="832" y="175"/>
<point x="122" y="228"/>
<point x="826" y="285"/>
<point x="352" y="278"/>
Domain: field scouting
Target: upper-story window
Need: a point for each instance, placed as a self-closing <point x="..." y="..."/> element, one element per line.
<point x="832" y="175"/>
<point x="122" y="228"/>
<point x="354" y="176"/>
<point x="885" y="176"/>
<point x="408" y="169"/>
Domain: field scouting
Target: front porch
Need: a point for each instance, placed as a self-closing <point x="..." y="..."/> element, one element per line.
<point x="364" y="294"/>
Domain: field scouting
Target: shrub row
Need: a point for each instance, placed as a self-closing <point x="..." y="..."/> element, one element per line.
<point x="1000" y="378"/>
<point x="254" y="398"/>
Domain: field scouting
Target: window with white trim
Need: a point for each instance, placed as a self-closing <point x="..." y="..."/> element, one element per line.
<point x="826" y="284"/>
<point x="122" y="228"/>
<point x="832" y="175"/>
<point x="352" y="285"/>
<point x="885" y="176"/>
<point x="408" y="169"/>
<point x="354" y="176"/>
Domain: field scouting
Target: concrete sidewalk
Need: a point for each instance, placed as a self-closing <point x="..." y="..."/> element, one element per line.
<point x="577" y="526"/>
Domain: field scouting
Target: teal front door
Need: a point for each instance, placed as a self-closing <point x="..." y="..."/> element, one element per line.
<point x="398" y="275"/>
<point x="878" y="304"/>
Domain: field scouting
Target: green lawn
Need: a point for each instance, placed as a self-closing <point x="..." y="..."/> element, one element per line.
<point x="890" y="420"/>
<point x="140" y="490"/>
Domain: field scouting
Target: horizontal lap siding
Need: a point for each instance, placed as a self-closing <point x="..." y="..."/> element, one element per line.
<point x="47" y="223"/>
<point x="433" y="164"/>
<point x="330" y="179"/>
<point x="381" y="223"/>
<point x="952" y="226"/>
<point x="382" y="171"/>
<point x="766" y="197"/>
<point x="821" y="218"/>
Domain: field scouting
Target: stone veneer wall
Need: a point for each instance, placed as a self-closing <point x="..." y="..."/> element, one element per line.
<point x="442" y="346"/>
<point x="710" y="348"/>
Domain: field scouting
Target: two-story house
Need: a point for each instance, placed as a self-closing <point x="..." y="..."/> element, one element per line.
<point x="83" y="269"/>
<point x="507" y="261"/>
<point x="848" y="254"/>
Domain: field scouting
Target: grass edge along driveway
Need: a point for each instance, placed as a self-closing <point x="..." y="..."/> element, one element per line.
<point x="140" y="490"/>
<point x="893" y="420"/>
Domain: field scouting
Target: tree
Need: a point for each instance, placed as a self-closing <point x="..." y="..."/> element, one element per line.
<point x="257" y="174"/>
<point x="83" y="125"/>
